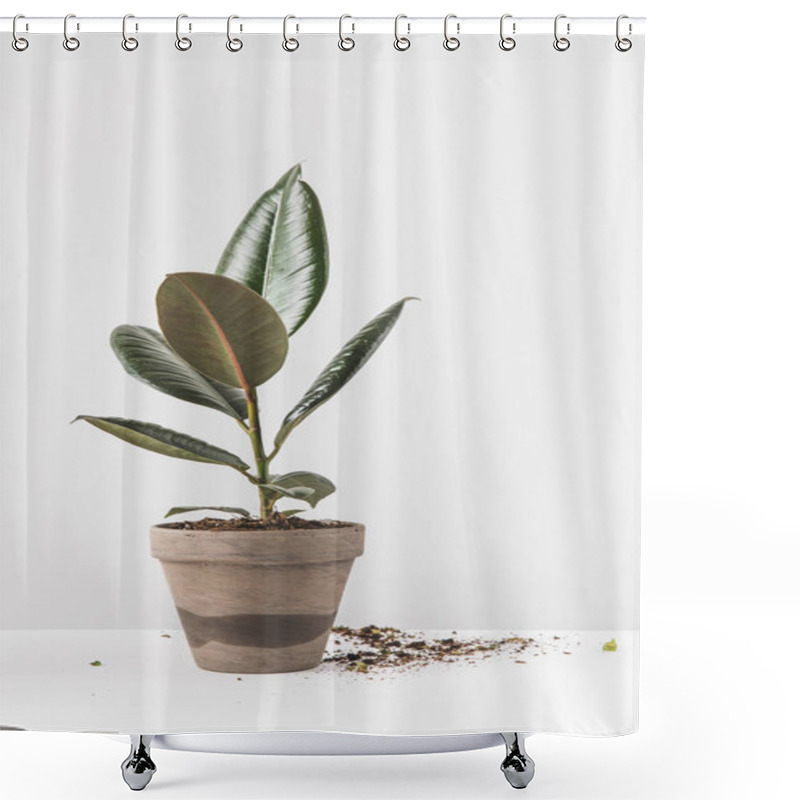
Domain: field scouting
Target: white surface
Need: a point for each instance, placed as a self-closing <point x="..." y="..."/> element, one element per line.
<point x="712" y="726"/>
<point x="149" y="684"/>
<point x="491" y="446"/>
<point x="318" y="743"/>
<point x="720" y="597"/>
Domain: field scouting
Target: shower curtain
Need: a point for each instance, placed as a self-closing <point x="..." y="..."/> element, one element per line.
<point x="489" y="445"/>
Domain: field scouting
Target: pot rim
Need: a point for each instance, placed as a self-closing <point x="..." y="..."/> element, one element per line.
<point x="259" y="546"/>
<point x="341" y="526"/>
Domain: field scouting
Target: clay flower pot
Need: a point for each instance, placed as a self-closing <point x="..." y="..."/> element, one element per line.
<point x="257" y="601"/>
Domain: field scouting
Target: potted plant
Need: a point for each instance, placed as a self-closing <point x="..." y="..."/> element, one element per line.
<point x="254" y="594"/>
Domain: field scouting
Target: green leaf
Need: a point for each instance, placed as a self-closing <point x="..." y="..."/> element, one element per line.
<point x="344" y="366"/>
<point x="296" y="492"/>
<point x="292" y="511"/>
<point x="242" y="512"/>
<point x="146" y="355"/>
<point x="610" y="646"/>
<point x="320" y="486"/>
<point x="165" y="441"/>
<point x="222" y="328"/>
<point x="280" y="249"/>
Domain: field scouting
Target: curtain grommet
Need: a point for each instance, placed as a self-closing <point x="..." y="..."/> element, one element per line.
<point x="19" y="43"/>
<point x="561" y="43"/>
<point x="71" y="43"/>
<point x="289" y="44"/>
<point x="129" y="43"/>
<point x="183" y="43"/>
<point x="623" y="44"/>
<point x="451" y="43"/>
<point x="401" y="43"/>
<point x="507" y="43"/>
<point x="233" y="44"/>
<point x="346" y="43"/>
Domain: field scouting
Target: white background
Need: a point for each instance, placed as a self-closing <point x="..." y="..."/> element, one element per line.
<point x="479" y="469"/>
<point x="721" y="544"/>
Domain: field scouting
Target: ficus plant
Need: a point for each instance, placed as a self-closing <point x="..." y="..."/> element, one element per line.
<point x="225" y="334"/>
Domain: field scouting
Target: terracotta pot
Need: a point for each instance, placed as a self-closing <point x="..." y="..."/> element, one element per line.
<point x="257" y="601"/>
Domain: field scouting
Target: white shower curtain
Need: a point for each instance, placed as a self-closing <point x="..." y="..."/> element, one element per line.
<point x="490" y="447"/>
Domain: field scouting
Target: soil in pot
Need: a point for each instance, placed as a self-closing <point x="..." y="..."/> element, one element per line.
<point x="275" y="522"/>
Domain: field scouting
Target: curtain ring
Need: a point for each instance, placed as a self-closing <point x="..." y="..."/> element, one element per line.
<point x="289" y="44"/>
<point x="507" y="42"/>
<point x="561" y="43"/>
<point x="451" y="42"/>
<point x="182" y="42"/>
<point x="346" y="43"/>
<point x="71" y="43"/>
<point x="129" y="43"/>
<point x="233" y="44"/>
<point x="623" y="44"/>
<point x="401" y="42"/>
<point x="19" y="43"/>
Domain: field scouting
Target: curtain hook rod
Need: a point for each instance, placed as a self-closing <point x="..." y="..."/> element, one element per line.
<point x="346" y="43"/>
<point x="19" y="43"/>
<point x="183" y="43"/>
<point x="233" y="44"/>
<point x="129" y="43"/>
<point x="71" y="43"/>
<point x="451" y="42"/>
<point x="401" y="42"/>
<point x="623" y="44"/>
<point x="507" y="42"/>
<point x="290" y="44"/>
<point x="561" y="43"/>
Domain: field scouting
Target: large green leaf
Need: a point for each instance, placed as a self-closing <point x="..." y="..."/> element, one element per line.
<point x="319" y="485"/>
<point x="222" y="328"/>
<point x="280" y="249"/>
<point x="146" y="355"/>
<point x="344" y="366"/>
<point x="296" y="492"/>
<point x="242" y="512"/>
<point x="165" y="441"/>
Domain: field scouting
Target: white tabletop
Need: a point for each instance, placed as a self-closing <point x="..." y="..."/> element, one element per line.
<point x="147" y="682"/>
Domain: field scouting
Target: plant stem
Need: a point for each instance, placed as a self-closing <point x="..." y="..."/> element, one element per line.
<point x="273" y="453"/>
<point x="262" y="463"/>
<point x="252" y="478"/>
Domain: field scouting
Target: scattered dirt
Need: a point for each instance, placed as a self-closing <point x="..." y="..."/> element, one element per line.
<point x="275" y="522"/>
<point x="372" y="648"/>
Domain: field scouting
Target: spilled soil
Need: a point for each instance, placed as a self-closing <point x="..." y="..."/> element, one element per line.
<point x="372" y="649"/>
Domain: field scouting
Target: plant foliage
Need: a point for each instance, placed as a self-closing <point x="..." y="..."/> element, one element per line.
<point x="224" y="334"/>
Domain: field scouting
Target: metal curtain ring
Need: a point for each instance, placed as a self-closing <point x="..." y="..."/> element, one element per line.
<point x="233" y="44"/>
<point x="623" y="44"/>
<point x="181" y="42"/>
<point x="401" y="42"/>
<point x="346" y="42"/>
<point x="561" y="43"/>
<point x="507" y="42"/>
<point x="70" y="42"/>
<point x="129" y="43"/>
<point x="18" y="42"/>
<point x="451" y="42"/>
<point x="289" y="44"/>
